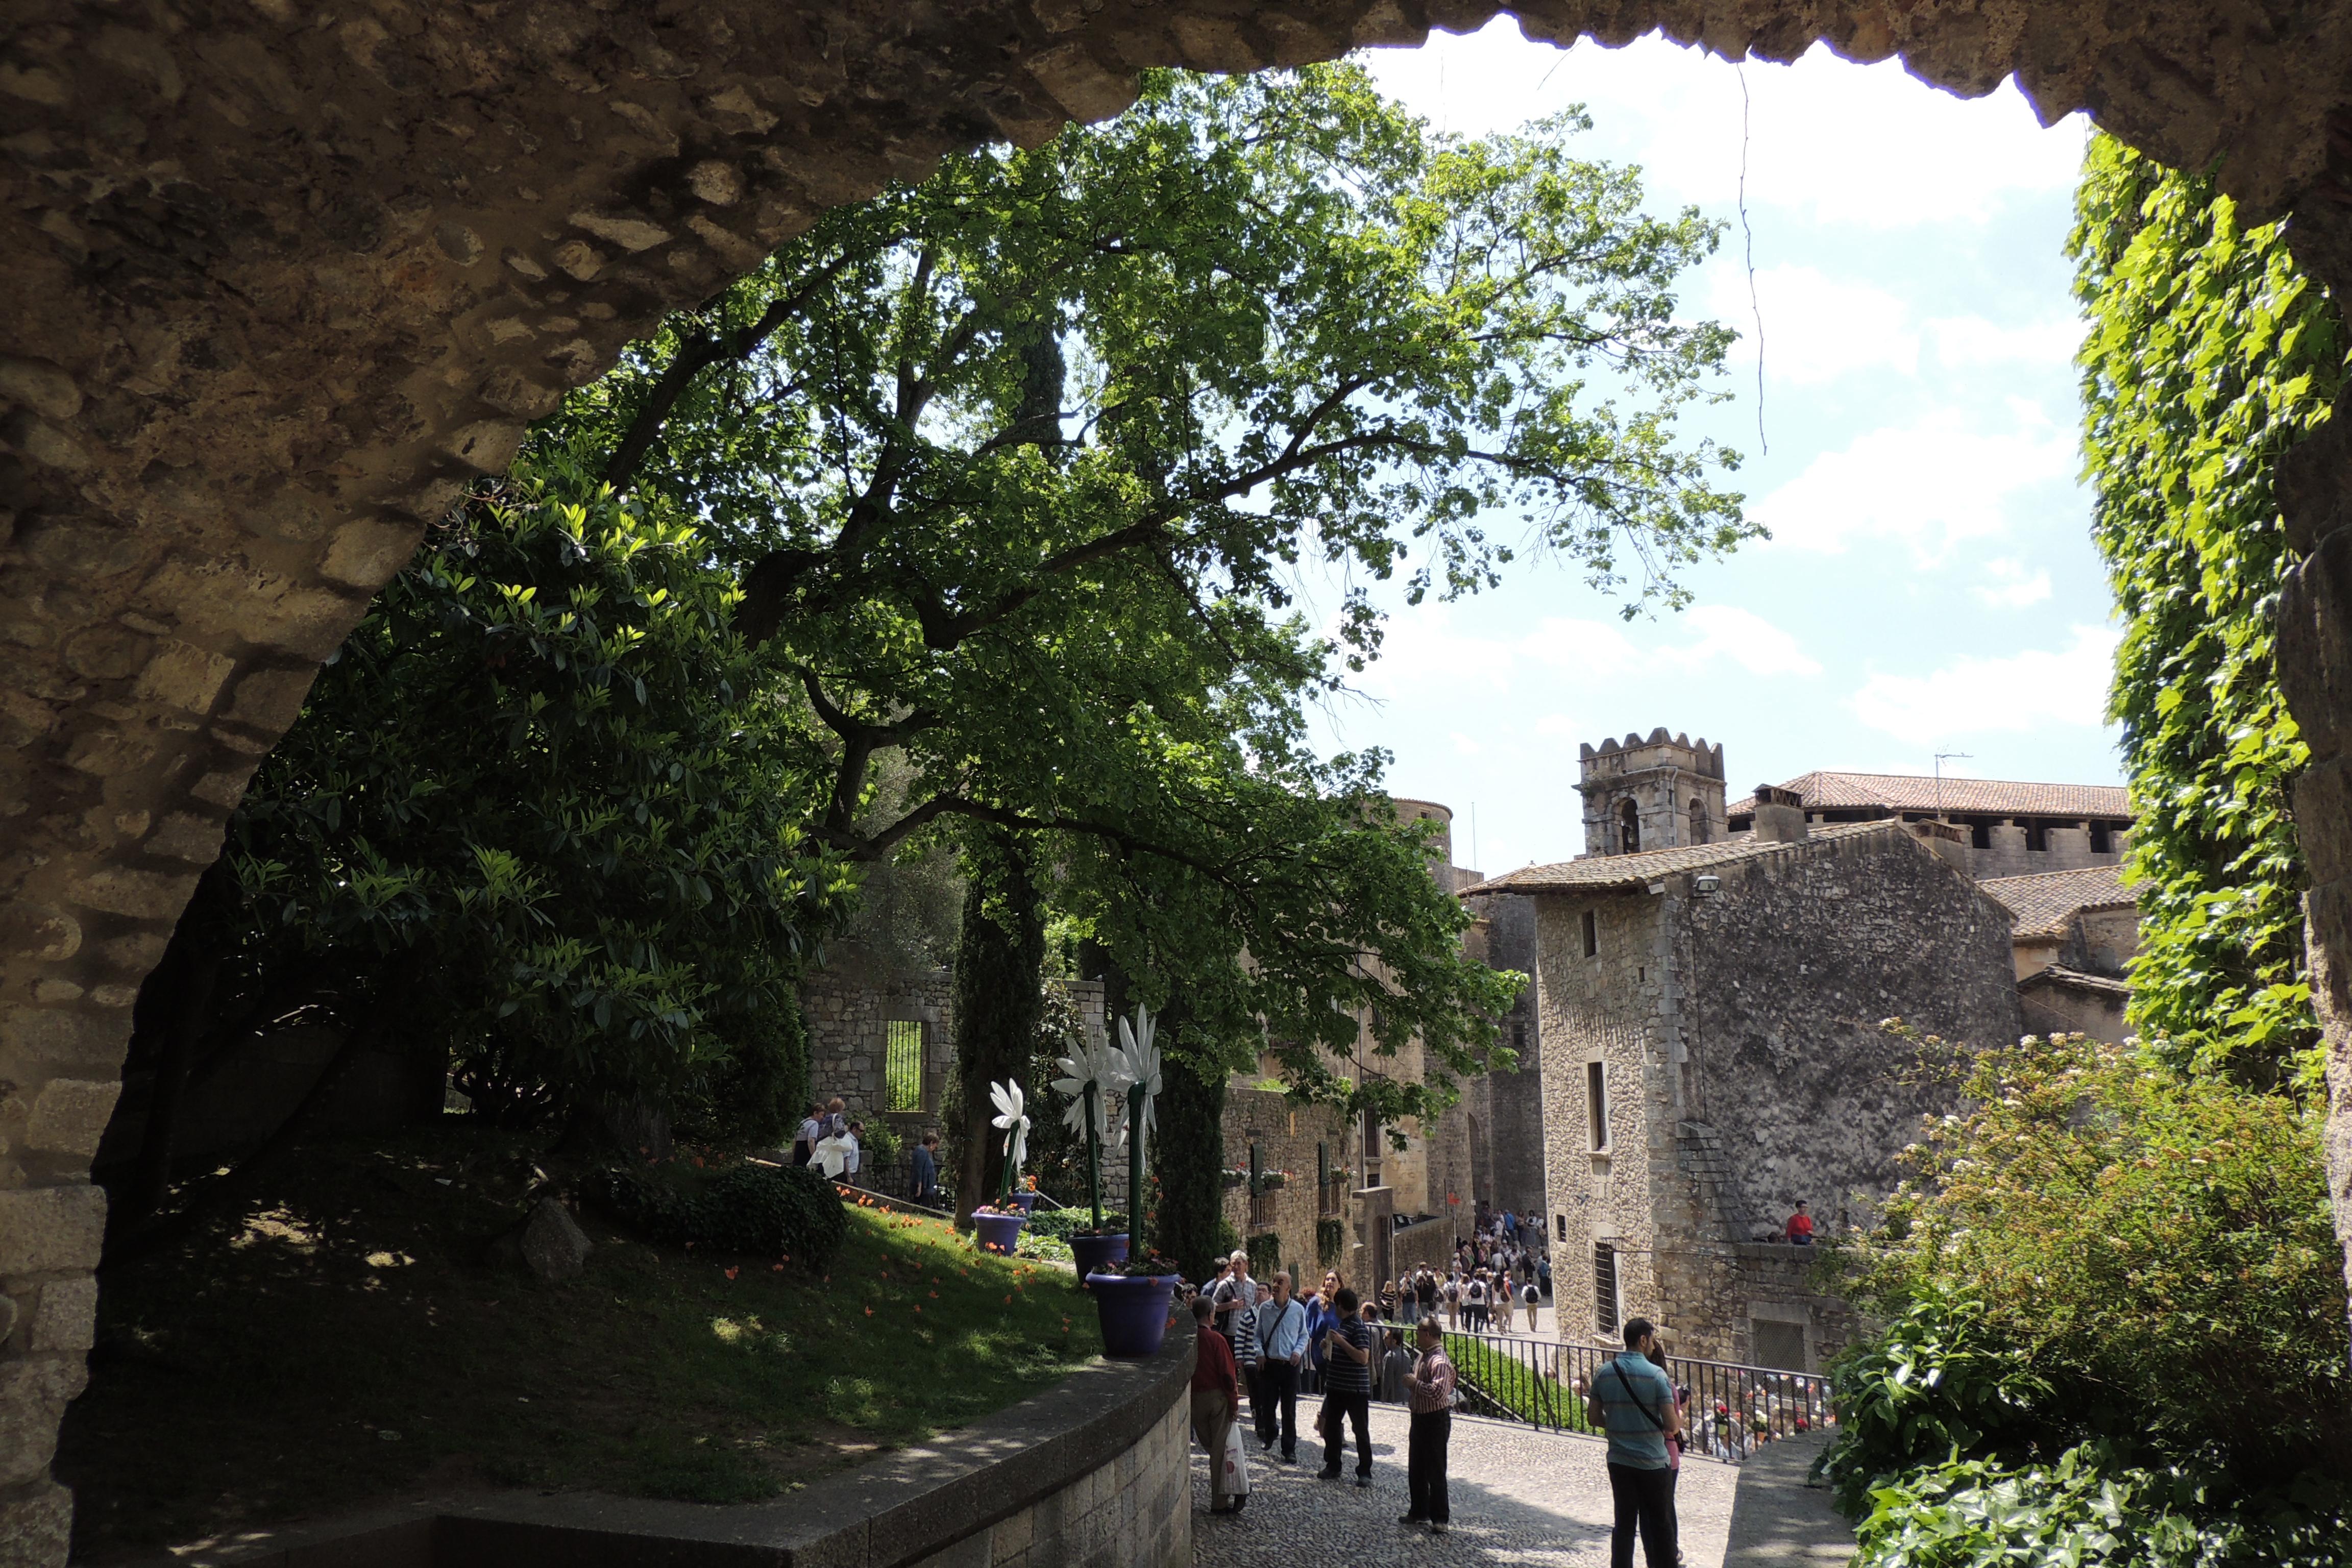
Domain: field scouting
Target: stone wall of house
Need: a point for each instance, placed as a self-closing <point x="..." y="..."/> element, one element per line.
<point x="285" y="279"/>
<point x="1515" y="1101"/>
<point x="1288" y="1137"/>
<point x="1605" y="1008"/>
<point x="1744" y="1065"/>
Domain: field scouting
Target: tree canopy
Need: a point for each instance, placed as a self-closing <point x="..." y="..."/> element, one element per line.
<point x="1021" y="465"/>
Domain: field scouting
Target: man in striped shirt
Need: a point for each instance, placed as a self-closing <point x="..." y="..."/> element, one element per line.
<point x="1430" y="1392"/>
<point x="1346" y="1387"/>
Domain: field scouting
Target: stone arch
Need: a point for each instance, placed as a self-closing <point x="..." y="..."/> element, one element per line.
<point x="1698" y="828"/>
<point x="286" y="278"/>
<point x="1629" y="826"/>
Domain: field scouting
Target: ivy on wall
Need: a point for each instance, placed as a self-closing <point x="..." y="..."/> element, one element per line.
<point x="2208" y="355"/>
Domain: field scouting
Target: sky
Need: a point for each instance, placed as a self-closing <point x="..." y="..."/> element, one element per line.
<point x="1930" y="585"/>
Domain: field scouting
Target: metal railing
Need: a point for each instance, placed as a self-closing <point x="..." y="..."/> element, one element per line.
<point x="1732" y="1410"/>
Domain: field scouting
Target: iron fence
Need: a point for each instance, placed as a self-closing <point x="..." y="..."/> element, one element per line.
<point x="1732" y="1410"/>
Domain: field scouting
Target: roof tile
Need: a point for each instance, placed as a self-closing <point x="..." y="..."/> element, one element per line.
<point x="1605" y="871"/>
<point x="2045" y="901"/>
<point x="1910" y="792"/>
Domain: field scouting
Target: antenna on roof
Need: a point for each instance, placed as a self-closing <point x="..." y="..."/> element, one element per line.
<point x="1941" y="758"/>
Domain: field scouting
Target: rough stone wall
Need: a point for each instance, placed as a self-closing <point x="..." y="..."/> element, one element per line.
<point x="1135" y="1511"/>
<point x="1744" y="1066"/>
<point x="2052" y="1004"/>
<point x="1287" y="1136"/>
<point x="285" y="277"/>
<point x="848" y="1018"/>
<point x="1791" y="966"/>
<point x="1514" y="1122"/>
<point x="1607" y="1008"/>
<point x="2066" y="849"/>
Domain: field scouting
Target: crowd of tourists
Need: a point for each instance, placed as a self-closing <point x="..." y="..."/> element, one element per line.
<point x="1263" y="1341"/>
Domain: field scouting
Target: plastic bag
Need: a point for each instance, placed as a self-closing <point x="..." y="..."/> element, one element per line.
<point x="1235" y="1462"/>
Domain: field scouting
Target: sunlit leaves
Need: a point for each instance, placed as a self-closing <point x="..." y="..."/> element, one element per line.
<point x="2209" y="356"/>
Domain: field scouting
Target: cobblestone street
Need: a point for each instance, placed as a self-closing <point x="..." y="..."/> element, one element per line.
<point x="1518" y="1496"/>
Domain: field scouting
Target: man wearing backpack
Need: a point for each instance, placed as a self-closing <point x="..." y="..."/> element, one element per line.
<point x="1637" y="1407"/>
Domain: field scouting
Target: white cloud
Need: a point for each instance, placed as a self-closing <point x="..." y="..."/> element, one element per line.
<point x="1870" y="146"/>
<point x="1931" y="485"/>
<point x="1464" y="746"/>
<point x="2022" y="692"/>
<point x="2013" y="587"/>
<point x="1424" y="648"/>
<point x="1725" y="635"/>
<point x="1816" y="328"/>
<point x="1969" y="342"/>
<point x="1744" y="638"/>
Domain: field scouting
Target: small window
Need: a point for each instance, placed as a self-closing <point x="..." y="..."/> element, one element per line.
<point x="1596" y="1105"/>
<point x="1605" y="1288"/>
<point x="1562" y="1221"/>
<point x="1519" y="1041"/>
<point x="1592" y="933"/>
<point x="2037" y="836"/>
<point x="1980" y="835"/>
<point x="1629" y="827"/>
<point x="902" y="1065"/>
<point x="1698" y="823"/>
<point x="2100" y="843"/>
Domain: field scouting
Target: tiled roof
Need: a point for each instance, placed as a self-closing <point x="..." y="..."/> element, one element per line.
<point x="2045" y="901"/>
<point x="1602" y="871"/>
<point x="1909" y="792"/>
<point x="2076" y="979"/>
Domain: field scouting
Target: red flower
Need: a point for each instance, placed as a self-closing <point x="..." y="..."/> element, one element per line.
<point x="730" y="1273"/>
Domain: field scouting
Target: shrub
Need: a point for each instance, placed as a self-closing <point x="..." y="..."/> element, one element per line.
<point x="768" y="1210"/>
<point x="1330" y="1237"/>
<point x="1063" y="1224"/>
<point x="2089" y="1510"/>
<point x="2158" y="1248"/>
<point x="1264" y="1251"/>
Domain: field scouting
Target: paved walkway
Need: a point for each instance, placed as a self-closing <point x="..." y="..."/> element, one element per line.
<point x="1519" y="1497"/>
<point x="1780" y="1523"/>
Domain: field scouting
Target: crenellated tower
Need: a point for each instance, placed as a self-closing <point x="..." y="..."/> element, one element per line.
<point x="1651" y="795"/>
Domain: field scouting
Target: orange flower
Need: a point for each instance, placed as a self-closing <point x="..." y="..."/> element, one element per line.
<point x="730" y="1272"/>
<point x="869" y="1312"/>
<point x="775" y="1269"/>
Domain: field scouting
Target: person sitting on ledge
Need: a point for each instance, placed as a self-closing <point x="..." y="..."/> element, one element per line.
<point x="1800" y="1227"/>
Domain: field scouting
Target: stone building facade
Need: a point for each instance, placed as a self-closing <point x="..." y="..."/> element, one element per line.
<point x="1711" y="1053"/>
<point x="1318" y="1201"/>
<point x="2014" y="829"/>
<point x="2076" y="933"/>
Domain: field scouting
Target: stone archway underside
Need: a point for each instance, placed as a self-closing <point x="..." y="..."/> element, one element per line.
<point x="283" y="275"/>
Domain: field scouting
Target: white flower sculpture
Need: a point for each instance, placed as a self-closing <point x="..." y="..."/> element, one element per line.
<point x="1099" y="1065"/>
<point x="1140" y="1063"/>
<point x="1010" y="1117"/>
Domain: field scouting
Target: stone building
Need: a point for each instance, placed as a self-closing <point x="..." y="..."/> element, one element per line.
<point x="2014" y="829"/>
<point x="2076" y="934"/>
<point x="1711" y="1053"/>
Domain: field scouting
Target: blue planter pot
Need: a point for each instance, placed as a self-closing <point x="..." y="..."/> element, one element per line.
<point x="999" y="1232"/>
<point x="1134" y="1313"/>
<point x="1028" y="1202"/>
<point x="1096" y="1252"/>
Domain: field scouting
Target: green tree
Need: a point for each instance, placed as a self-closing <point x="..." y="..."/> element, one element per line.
<point x="1018" y="463"/>
<point x="541" y="823"/>
<point x="2209" y="356"/>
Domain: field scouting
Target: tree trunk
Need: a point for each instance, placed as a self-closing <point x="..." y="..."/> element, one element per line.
<point x="1189" y="1157"/>
<point x="1000" y="965"/>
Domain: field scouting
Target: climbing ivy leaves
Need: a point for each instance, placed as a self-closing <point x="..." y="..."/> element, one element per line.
<point x="2209" y="355"/>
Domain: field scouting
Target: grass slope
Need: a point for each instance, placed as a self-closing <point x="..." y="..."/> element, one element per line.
<point x="342" y="1340"/>
<point x="1518" y="1388"/>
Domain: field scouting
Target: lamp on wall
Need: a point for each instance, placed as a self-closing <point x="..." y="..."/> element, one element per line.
<point x="1706" y="884"/>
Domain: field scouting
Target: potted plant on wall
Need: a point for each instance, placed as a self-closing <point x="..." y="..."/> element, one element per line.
<point x="1132" y="1297"/>
<point x="998" y="1225"/>
<point x="1092" y="1082"/>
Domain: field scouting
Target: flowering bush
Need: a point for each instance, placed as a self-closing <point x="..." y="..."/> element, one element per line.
<point x="2104" y="1248"/>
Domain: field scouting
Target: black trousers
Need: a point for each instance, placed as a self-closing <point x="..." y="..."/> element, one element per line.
<point x="1274" y="1401"/>
<point x="1644" y="1498"/>
<point x="1424" y="1475"/>
<point x="1339" y="1408"/>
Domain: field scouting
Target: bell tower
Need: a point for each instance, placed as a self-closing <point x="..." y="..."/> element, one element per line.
<point x="1658" y="794"/>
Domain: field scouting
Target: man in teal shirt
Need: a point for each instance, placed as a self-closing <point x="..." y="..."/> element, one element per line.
<point x="1636" y="1405"/>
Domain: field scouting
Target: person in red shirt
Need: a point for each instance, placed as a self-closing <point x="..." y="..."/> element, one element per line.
<point x="1216" y="1399"/>
<point x="1800" y="1227"/>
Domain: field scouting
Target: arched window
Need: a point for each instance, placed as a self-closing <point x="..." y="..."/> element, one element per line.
<point x="1628" y="828"/>
<point x="1697" y="821"/>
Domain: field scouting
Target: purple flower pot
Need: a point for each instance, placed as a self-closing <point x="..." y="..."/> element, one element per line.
<point x="1096" y="1252"/>
<point x="999" y="1232"/>
<point x="1134" y="1313"/>
<point x="1028" y="1202"/>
